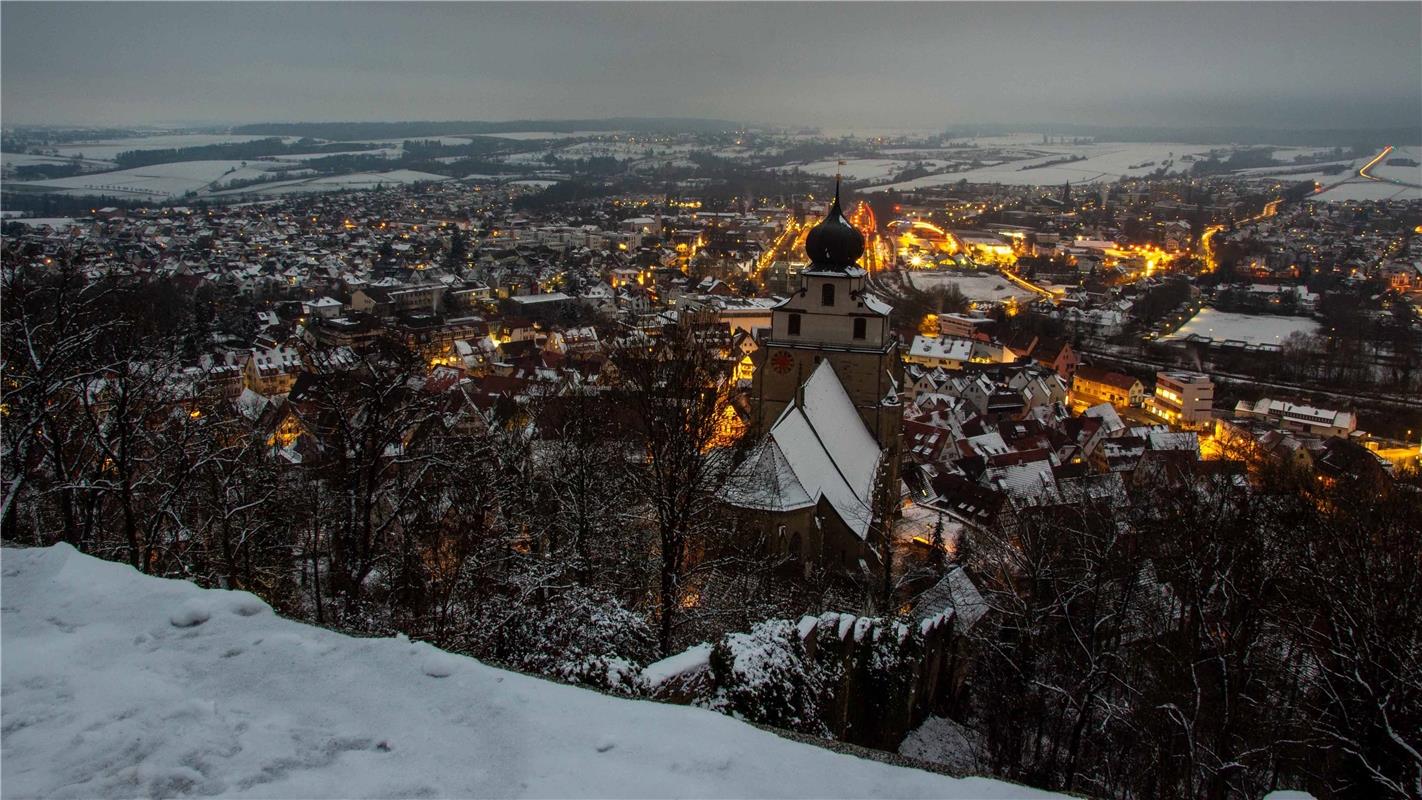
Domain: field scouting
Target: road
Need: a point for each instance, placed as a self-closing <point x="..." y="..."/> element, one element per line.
<point x="1207" y="245"/>
<point x="1363" y="172"/>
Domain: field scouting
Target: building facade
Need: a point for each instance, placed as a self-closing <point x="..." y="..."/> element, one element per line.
<point x="1183" y="398"/>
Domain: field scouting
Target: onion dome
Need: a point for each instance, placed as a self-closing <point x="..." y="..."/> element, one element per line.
<point x="834" y="244"/>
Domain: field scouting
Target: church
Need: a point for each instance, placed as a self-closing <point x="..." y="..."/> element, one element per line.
<point x="825" y="404"/>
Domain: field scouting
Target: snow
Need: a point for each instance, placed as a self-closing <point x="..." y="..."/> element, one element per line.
<point x="1360" y="189"/>
<point x="528" y="135"/>
<point x="1102" y="162"/>
<point x="158" y="180"/>
<point x="1248" y="328"/>
<point x="854" y="169"/>
<point x="974" y="286"/>
<point x="106" y="697"/>
<point x="831" y="452"/>
<point x="108" y="149"/>
<point x="1412" y="175"/>
<point x="689" y="660"/>
<point x="940" y="740"/>
<point x="941" y="348"/>
<point x="336" y="183"/>
<point x="9" y="160"/>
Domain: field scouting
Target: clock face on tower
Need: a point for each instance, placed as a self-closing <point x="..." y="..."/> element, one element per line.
<point x="781" y="362"/>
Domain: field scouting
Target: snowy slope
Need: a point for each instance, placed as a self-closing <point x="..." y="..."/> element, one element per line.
<point x="120" y="685"/>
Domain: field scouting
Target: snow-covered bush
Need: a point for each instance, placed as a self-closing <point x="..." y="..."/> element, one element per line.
<point x="764" y="676"/>
<point x="580" y="634"/>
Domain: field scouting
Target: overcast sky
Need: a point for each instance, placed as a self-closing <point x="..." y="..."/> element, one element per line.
<point x="839" y="65"/>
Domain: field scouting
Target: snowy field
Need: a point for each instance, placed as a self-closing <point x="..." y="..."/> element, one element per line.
<point x="1102" y="162"/>
<point x="9" y="161"/>
<point x="1250" y="328"/>
<point x="1363" y="189"/>
<point x="533" y="135"/>
<point x="121" y="685"/>
<point x="1411" y="175"/>
<point x="1313" y="172"/>
<point x="108" y="149"/>
<point x="987" y="288"/>
<point x="158" y="180"/>
<point x="879" y="133"/>
<point x="335" y="183"/>
<point x="865" y="169"/>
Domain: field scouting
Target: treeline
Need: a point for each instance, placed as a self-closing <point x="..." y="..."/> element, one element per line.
<point x="234" y="151"/>
<point x="43" y="204"/>
<point x="41" y="172"/>
<point x="412" y="130"/>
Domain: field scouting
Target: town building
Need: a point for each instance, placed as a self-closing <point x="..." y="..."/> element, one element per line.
<point x="1293" y="416"/>
<point x="1185" y="399"/>
<point x="1091" y="385"/>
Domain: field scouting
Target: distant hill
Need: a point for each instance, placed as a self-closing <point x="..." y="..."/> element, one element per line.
<point x="1293" y="137"/>
<point x="349" y="131"/>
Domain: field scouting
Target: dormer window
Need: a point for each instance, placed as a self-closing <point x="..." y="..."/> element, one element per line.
<point x="827" y="294"/>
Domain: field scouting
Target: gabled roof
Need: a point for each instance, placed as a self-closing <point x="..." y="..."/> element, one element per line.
<point x="817" y="449"/>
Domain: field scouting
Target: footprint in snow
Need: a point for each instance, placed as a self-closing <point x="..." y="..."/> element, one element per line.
<point x="191" y="614"/>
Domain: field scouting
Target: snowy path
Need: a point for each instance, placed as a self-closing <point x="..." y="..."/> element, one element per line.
<point x="120" y="685"/>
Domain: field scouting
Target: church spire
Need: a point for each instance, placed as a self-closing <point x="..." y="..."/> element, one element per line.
<point x="834" y="244"/>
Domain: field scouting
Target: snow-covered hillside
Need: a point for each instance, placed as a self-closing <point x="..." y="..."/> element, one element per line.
<point x="121" y="685"/>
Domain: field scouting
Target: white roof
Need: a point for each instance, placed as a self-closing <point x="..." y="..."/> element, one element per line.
<point x="944" y="348"/>
<point x="1110" y="420"/>
<point x="818" y="449"/>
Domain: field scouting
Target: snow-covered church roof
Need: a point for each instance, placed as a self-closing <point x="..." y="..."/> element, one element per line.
<point x="818" y="448"/>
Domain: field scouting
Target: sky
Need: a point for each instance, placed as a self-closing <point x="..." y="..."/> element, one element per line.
<point x="836" y="65"/>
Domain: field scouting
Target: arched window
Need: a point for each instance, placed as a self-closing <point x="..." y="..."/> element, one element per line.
<point x="859" y="327"/>
<point x="794" y="325"/>
<point x="795" y="545"/>
<point x="827" y="294"/>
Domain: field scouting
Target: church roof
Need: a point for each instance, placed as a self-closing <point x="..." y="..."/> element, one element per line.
<point x="818" y="449"/>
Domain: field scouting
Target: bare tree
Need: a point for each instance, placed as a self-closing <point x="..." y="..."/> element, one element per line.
<point x="672" y="389"/>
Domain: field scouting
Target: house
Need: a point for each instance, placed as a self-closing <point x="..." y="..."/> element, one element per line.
<point x="1091" y="385"/>
<point x="272" y="371"/>
<point x="323" y="307"/>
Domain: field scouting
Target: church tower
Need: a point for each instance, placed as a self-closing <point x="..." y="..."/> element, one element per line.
<point x="833" y="317"/>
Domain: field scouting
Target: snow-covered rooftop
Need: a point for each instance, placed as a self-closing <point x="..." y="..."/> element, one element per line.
<point x="818" y="448"/>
